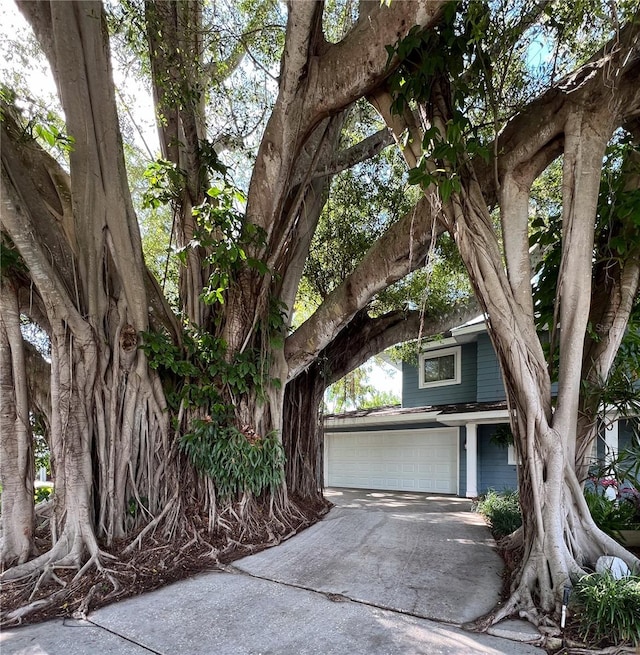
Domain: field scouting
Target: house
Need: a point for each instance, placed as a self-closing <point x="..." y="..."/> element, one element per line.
<point x="442" y="439"/>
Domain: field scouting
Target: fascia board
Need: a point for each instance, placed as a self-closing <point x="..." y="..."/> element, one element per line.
<point x="437" y="344"/>
<point x="476" y="328"/>
<point x="365" y="421"/>
<point x="486" y="417"/>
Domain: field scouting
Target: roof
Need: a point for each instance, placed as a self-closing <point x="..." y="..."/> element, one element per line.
<point x="450" y="414"/>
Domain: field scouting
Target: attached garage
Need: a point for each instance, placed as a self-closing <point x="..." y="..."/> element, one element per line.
<point x="408" y="460"/>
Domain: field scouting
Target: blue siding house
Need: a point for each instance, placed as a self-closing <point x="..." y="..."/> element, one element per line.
<point x="441" y="439"/>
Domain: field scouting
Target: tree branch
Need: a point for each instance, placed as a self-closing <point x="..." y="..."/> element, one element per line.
<point x="399" y="251"/>
<point x="362" y="151"/>
<point x="357" y="64"/>
<point x="365" y="336"/>
<point x="534" y="137"/>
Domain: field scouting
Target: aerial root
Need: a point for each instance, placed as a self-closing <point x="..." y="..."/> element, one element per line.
<point x="81" y="612"/>
<point x="152" y="525"/>
<point x="520" y="602"/>
<point x="44" y="570"/>
<point x="15" y="617"/>
<point x="45" y="576"/>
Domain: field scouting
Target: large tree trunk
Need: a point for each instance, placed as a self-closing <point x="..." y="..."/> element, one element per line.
<point x="616" y="282"/>
<point x="360" y="340"/>
<point x="286" y="193"/>
<point x="559" y="537"/>
<point x="16" y="445"/>
<point x="109" y="433"/>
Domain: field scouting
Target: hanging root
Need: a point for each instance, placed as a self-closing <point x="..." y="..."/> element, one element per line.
<point x="152" y="525"/>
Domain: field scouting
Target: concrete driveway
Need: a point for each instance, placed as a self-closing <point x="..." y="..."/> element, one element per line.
<point x="367" y="580"/>
<point x="428" y="556"/>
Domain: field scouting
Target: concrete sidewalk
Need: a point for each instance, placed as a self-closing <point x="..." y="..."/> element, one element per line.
<point x="357" y="583"/>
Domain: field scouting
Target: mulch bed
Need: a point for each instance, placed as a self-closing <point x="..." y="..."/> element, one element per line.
<point x="154" y="564"/>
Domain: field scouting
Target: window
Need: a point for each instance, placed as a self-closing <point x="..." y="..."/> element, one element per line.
<point x="440" y="367"/>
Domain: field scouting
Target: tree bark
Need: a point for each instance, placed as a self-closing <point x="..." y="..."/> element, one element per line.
<point x="362" y="338"/>
<point x="108" y="430"/>
<point x="559" y="536"/>
<point x="16" y="445"/>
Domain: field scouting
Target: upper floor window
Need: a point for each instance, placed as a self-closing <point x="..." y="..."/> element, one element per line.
<point x="440" y="367"/>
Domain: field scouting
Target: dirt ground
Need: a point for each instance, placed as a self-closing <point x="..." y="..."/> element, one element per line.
<point x="154" y="564"/>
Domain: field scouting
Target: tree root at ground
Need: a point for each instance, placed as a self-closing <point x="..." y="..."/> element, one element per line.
<point x="46" y="589"/>
<point x="519" y="591"/>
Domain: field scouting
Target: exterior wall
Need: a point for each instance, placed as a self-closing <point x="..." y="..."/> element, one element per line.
<point x="490" y="386"/>
<point x="465" y="392"/>
<point x="493" y="470"/>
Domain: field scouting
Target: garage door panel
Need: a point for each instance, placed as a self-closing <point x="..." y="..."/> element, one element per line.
<point x="417" y="460"/>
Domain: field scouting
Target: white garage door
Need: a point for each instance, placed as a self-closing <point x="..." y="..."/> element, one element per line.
<point x="418" y="460"/>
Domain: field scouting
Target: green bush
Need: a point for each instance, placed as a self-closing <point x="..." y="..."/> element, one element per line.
<point x="610" y="516"/>
<point x="608" y="608"/>
<point x="502" y="511"/>
<point x="237" y="462"/>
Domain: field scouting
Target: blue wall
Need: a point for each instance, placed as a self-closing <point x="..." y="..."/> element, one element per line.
<point x="493" y="470"/>
<point x="465" y="392"/>
<point x="490" y="385"/>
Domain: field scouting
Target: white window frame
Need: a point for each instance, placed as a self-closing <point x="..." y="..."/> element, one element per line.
<point x="512" y="460"/>
<point x="435" y="354"/>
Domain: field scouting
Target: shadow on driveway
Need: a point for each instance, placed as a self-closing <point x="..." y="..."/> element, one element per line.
<point x="428" y="556"/>
<point x="420" y="555"/>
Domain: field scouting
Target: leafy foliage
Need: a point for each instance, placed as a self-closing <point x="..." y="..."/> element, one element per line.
<point x="225" y="235"/>
<point x="42" y="493"/>
<point x="433" y="62"/>
<point x="608" y="608"/>
<point x="10" y="260"/>
<point x="502" y="436"/>
<point x="237" y="462"/>
<point x="502" y="511"/>
<point x="199" y="375"/>
<point x="363" y="202"/>
<point x="53" y="136"/>
<point x="354" y="391"/>
<point x="611" y="516"/>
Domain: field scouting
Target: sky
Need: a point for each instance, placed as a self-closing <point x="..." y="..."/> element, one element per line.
<point x="386" y="379"/>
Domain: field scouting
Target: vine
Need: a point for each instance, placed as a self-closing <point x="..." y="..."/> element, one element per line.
<point x="201" y="374"/>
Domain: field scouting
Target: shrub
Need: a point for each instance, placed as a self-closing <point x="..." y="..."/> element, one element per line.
<point x="608" y="608"/>
<point x="502" y="511"/>
<point x="611" y="516"/>
<point x="237" y="462"/>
